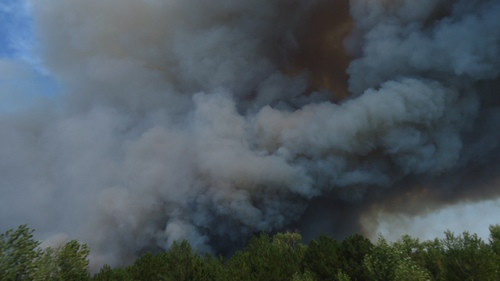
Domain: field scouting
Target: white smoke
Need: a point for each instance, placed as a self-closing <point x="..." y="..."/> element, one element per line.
<point x="181" y="121"/>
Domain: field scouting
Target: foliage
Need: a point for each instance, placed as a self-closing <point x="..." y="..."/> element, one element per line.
<point x="430" y="255"/>
<point x="180" y="262"/>
<point x="342" y="276"/>
<point x="265" y="258"/>
<point x="393" y="262"/>
<point x="353" y="250"/>
<point x="495" y="238"/>
<point x="468" y="257"/>
<point x="71" y="260"/>
<point x="323" y="258"/>
<point x="112" y="274"/>
<point x="306" y="276"/>
<point x="21" y="258"/>
<point x="279" y="257"/>
<point x="326" y="257"/>
<point x="19" y="254"/>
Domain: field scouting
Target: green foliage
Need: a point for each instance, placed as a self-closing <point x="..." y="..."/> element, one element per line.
<point x="47" y="266"/>
<point x="413" y="265"/>
<point x="430" y="255"/>
<point x="239" y="267"/>
<point x="22" y="259"/>
<point x="68" y="262"/>
<point x="306" y="276"/>
<point x="326" y="257"/>
<point x="265" y="258"/>
<point x="353" y="250"/>
<point x="281" y="257"/>
<point x="72" y="262"/>
<point x="19" y="254"/>
<point x="149" y="267"/>
<point x="468" y="257"/>
<point x="495" y="238"/>
<point x="342" y="276"/>
<point x="393" y="262"/>
<point x="381" y="262"/>
<point x="323" y="258"/>
<point x="112" y="274"/>
<point x="183" y="263"/>
<point x="180" y="262"/>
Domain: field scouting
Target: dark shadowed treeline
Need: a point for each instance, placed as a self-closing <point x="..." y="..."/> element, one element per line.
<point x="279" y="257"/>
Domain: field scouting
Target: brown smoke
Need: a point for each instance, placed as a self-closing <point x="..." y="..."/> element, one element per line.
<point x="321" y="48"/>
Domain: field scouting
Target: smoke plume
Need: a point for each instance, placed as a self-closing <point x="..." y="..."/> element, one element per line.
<point x="213" y="120"/>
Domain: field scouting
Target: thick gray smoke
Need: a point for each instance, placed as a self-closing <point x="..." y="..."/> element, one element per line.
<point x="213" y="120"/>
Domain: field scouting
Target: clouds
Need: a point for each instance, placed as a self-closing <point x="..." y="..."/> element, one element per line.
<point x="207" y="121"/>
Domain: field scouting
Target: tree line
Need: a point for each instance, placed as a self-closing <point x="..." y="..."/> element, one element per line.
<point x="280" y="257"/>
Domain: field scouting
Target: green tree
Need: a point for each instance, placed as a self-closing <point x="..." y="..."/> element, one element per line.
<point x="184" y="263"/>
<point x="149" y="267"/>
<point x="420" y="258"/>
<point x="326" y="257"/>
<point x="393" y="262"/>
<point x="342" y="276"/>
<point x="72" y="262"/>
<point x="239" y="267"/>
<point x="180" y="262"/>
<point x="430" y="255"/>
<point x="112" y="274"/>
<point x="323" y="258"/>
<point x="353" y="251"/>
<point x="21" y="258"/>
<point x="19" y="254"/>
<point x="265" y="258"/>
<point x="306" y="276"/>
<point x="495" y="238"/>
<point x="468" y="257"/>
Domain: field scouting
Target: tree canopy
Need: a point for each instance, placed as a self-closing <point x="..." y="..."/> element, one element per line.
<point x="282" y="256"/>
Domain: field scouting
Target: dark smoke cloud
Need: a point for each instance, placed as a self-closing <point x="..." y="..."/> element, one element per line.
<point x="210" y="121"/>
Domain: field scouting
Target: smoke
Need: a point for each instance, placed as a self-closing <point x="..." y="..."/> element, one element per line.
<point x="211" y="121"/>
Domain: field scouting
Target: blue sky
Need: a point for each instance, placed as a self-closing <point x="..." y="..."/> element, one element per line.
<point x="6" y="22"/>
<point x="16" y="36"/>
<point x="22" y="78"/>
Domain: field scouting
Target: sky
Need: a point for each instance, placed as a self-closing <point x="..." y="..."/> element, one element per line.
<point x="8" y="18"/>
<point x="182" y="119"/>
<point x="22" y="77"/>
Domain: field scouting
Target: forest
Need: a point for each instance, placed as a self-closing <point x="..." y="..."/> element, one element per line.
<point x="279" y="257"/>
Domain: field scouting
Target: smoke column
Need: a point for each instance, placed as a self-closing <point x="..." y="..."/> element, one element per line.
<point x="214" y="120"/>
